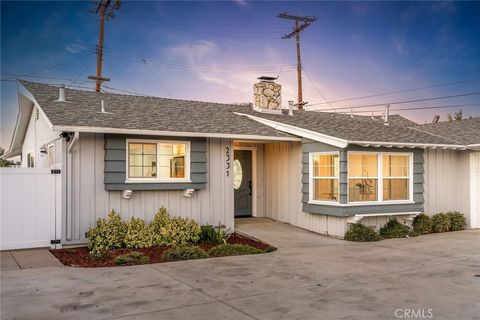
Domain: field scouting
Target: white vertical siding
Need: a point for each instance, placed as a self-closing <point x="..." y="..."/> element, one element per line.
<point x="90" y="200"/>
<point x="447" y="181"/>
<point x="283" y="190"/>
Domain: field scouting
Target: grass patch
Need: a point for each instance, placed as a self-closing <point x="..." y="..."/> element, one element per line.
<point x="132" y="258"/>
<point x="184" y="252"/>
<point x="232" y="250"/>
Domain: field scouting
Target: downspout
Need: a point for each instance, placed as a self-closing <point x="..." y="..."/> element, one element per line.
<point x="68" y="186"/>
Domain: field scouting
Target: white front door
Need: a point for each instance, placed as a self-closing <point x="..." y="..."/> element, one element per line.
<point x="475" y="190"/>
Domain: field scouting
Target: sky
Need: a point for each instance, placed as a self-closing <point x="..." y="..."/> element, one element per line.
<point x="215" y="50"/>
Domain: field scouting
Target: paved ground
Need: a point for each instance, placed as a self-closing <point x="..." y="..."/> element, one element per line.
<point x="27" y="259"/>
<point x="309" y="277"/>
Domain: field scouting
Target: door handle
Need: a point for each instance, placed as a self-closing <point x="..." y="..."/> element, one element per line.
<point x="250" y="187"/>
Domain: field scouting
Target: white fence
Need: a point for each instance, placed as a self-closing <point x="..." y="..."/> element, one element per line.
<point x="30" y="207"/>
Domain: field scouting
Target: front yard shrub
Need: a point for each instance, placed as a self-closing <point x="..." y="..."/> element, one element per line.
<point x="441" y="222"/>
<point x="173" y="231"/>
<point x="457" y="220"/>
<point x="184" y="252"/>
<point x="209" y="234"/>
<point x="132" y="258"/>
<point x="228" y="249"/>
<point x="394" y="229"/>
<point x="422" y="224"/>
<point x="139" y="234"/>
<point x="361" y="233"/>
<point x="109" y="233"/>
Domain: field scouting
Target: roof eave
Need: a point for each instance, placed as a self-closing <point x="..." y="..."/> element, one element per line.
<point x="171" y="133"/>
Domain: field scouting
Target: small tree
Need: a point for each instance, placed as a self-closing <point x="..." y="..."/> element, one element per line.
<point x="4" y="162"/>
<point x="456" y="116"/>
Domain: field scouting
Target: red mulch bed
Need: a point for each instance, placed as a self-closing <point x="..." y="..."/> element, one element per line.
<point x="80" y="257"/>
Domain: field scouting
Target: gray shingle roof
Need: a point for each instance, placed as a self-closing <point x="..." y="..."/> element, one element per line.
<point x="465" y="131"/>
<point x="358" y="128"/>
<point x="146" y="113"/>
<point x="160" y="114"/>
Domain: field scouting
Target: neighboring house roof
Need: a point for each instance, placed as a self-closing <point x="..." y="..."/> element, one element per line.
<point x="82" y="109"/>
<point x="465" y="131"/>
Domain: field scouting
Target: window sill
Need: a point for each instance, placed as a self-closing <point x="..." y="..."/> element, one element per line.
<point x="359" y="204"/>
<point x="157" y="181"/>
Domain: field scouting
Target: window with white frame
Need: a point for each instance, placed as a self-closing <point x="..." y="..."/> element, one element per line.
<point x="379" y="177"/>
<point x="158" y="160"/>
<point x="324" y="178"/>
<point x="30" y="160"/>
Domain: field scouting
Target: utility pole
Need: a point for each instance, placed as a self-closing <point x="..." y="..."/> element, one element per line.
<point x="104" y="13"/>
<point x="307" y="21"/>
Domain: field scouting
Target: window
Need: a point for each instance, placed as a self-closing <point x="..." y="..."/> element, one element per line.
<point x="324" y="178"/>
<point x="396" y="177"/>
<point x="51" y="155"/>
<point x="379" y="177"/>
<point x="30" y="160"/>
<point x="362" y="177"/>
<point x="158" y="161"/>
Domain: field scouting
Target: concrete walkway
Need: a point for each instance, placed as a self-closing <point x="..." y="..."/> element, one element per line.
<point x="308" y="277"/>
<point x="27" y="259"/>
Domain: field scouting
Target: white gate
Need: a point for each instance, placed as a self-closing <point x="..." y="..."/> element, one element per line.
<point x="30" y="207"/>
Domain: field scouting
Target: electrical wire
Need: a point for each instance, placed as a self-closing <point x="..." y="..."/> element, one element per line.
<point x="321" y="95"/>
<point x="83" y="72"/>
<point x="415" y="108"/>
<point x="397" y="91"/>
<point x="158" y="78"/>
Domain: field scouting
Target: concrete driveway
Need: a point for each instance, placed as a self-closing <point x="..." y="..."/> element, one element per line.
<point x="309" y="277"/>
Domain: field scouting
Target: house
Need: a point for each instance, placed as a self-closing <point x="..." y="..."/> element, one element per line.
<point x="214" y="162"/>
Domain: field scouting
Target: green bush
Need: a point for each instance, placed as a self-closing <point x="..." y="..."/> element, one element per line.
<point x="210" y="234"/>
<point x="184" y="252"/>
<point x="395" y="229"/>
<point x="440" y="222"/>
<point x="361" y="233"/>
<point x="139" y="234"/>
<point x="422" y="224"/>
<point x="457" y="220"/>
<point x="172" y="231"/>
<point x="134" y="257"/>
<point x="108" y="234"/>
<point x="228" y="249"/>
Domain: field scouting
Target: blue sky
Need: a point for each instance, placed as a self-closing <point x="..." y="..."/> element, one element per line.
<point x="213" y="51"/>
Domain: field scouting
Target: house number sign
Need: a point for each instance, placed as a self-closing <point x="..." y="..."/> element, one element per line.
<point x="227" y="161"/>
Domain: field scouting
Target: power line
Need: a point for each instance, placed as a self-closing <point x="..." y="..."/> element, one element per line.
<point x="397" y="91"/>
<point x="408" y="101"/>
<point x="321" y="95"/>
<point x="83" y="72"/>
<point x="158" y="78"/>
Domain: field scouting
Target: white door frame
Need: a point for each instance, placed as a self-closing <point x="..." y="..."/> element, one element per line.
<point x="254" y="176"/>
<point x="474" y="191"/>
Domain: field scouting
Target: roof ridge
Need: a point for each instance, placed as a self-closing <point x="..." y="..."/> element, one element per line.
<point x="435" y="135"/>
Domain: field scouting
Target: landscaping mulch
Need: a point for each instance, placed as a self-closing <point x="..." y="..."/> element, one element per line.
<point x="80" y="257"/>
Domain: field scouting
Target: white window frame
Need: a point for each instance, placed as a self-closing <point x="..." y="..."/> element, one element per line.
<point x="311" y="178"/>
<point x="380" y="179"/>
<point x="157" y="179"/>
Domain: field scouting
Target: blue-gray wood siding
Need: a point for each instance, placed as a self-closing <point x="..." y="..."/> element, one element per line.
<point x="309" y="146"/>
<point x="116" y="160"/>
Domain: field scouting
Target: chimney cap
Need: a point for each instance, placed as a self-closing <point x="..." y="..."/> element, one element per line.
<point x="267" y="78"/>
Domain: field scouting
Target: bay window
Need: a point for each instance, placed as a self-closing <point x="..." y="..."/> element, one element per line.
<point x="157" y="161"/>
<point x="324" y="179"/>
<point x="362" y="177"/>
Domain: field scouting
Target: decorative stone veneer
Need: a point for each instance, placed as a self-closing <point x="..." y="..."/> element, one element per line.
<point x="267" y="95"/>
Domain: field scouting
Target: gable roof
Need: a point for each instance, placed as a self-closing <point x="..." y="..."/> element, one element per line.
<point x="81" y="111"/>
<point x="465" y="131"/>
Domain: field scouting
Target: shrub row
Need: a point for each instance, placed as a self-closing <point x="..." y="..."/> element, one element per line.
<point x="112" y="232"/>
<point x="422" y="224"/>
<point x="185" y="252"/>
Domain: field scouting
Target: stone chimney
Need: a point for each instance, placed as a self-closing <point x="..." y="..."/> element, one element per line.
<point x="267" y="95"/>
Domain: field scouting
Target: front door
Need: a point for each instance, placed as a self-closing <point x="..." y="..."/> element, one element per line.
<point x="242" y="182"/>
